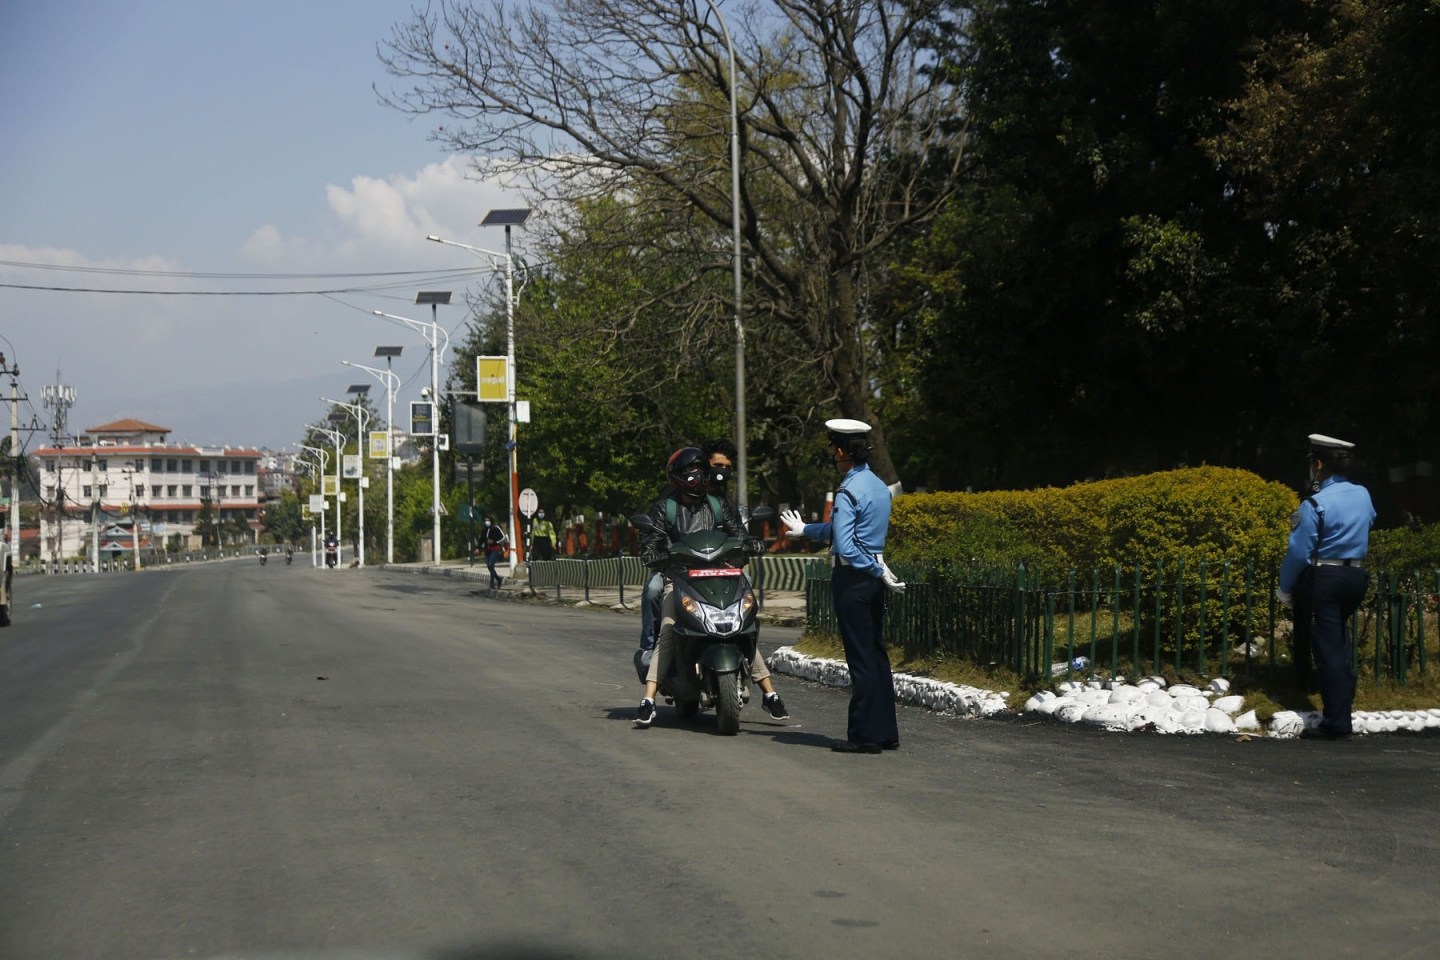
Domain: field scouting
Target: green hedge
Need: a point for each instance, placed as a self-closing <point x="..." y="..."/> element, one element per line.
<point x="1209" y="514"/>
<point x="1406" y="549"/>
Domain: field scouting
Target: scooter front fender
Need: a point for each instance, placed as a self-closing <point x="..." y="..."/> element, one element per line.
<point x="720" y="658"/>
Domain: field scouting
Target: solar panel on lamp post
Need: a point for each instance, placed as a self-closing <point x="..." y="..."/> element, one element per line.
<point x="337" y="438"/>
<point x="319" y="474"/>
<point x="358" y="412"/>
<point x="507" y="219"/>
<point x="433" y="298"/>
<point x="391" y="382"/>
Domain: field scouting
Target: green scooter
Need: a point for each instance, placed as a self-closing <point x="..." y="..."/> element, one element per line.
<point x="715" y="626"/>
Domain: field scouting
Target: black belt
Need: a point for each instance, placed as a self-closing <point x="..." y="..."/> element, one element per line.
<point x="1340" y="563"/>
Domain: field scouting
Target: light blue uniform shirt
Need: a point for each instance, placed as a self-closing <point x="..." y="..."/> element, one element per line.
<point x="857" y="526"/>
<point x="1339" y="531"/>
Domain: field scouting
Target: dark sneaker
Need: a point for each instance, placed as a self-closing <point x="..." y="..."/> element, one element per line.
<point x="646" y="714"/>
<point x="776" y="707"/>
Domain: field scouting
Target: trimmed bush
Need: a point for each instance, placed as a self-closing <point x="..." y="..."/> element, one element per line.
<point x="1209" y="514"/>
<point x="1406" y="549"/>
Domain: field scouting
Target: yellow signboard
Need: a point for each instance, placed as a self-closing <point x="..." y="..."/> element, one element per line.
<point x="491" y="383"/>
<point x="329" y="485"/>
<point x="379" y="444"/>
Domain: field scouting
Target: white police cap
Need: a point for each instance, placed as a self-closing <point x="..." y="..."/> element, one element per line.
<point x="846" y="426"/>
<point x="1318" y="441"/>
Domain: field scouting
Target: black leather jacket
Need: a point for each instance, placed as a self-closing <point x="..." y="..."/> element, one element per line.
<point x="690" y="517"/>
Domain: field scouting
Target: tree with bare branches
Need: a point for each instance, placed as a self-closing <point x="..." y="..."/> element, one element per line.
<point x="848" y="141"/>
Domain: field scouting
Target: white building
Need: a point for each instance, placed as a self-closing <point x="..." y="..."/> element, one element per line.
<point x="125" y="469"/>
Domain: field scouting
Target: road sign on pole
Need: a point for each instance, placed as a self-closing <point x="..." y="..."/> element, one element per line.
<point x="529" y="502"/>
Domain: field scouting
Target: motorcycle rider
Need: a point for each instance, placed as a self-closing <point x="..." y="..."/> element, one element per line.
<point x="720" y="455"/>
<point x="694" y="510"/>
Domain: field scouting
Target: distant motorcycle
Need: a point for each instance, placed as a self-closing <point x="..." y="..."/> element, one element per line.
<point x="332" y="554"/>
<point x="264" y="556"/>
<point x="289" y="557"/>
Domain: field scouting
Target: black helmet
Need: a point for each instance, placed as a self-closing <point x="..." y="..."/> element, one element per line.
<point x="686" y="469"/>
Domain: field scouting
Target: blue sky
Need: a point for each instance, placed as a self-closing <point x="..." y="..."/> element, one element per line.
<point x="226" y="138"/>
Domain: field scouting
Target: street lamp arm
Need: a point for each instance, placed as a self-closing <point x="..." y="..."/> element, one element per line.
<point x="389" y="378"/>
<point x="473" y="249"/>
<point x="421" y="326"/>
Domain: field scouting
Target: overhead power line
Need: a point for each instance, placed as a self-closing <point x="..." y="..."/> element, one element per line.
<point x="389" y="280"/>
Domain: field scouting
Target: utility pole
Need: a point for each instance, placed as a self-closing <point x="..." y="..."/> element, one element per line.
<point x="58" y="398"/>
<point x="11" y="544"/>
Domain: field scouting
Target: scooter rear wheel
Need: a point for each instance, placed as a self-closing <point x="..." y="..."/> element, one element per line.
<point x="727" y="703"/>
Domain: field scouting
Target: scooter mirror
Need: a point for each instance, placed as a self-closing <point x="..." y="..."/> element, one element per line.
<point x="642" y="520"/>
<point x="762" y="513"/>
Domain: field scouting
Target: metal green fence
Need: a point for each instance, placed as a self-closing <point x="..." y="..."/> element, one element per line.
<point x="1131" y="621"/>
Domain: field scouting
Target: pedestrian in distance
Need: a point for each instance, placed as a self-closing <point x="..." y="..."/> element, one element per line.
<point x="1323" y="576"/>
<point x="860" y="582"/>
<point x="542" y="538"/>
<point x="494" y="539"/>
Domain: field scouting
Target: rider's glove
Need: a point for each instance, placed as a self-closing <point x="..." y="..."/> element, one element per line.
<point x="892" y="583"/>
<point x="754" y="547"/>
<point x="1283" y="597"/>
<point x="794" y="524"/>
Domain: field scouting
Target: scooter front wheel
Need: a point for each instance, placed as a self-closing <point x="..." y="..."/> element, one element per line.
<point x="728" y="702"/>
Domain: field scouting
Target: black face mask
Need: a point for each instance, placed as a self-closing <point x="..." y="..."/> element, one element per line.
<point x="719" y="476"/>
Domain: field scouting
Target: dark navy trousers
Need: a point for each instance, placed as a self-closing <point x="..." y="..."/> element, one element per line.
<point x="860" y="610"/>
<point x="1334" y="596"/>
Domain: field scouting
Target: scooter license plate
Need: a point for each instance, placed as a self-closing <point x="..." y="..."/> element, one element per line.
<point x="715" y="572"/>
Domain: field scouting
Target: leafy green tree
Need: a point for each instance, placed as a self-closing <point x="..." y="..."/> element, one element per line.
<point x="618" y="371"/>
<point x="627" y="99"/>
<point x="1093" y="300"/>
<point x="1332" y="148"/>
<point x="283" y="519"/>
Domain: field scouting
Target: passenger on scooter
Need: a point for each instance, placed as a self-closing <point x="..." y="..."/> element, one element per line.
<point x="694" y="510"/>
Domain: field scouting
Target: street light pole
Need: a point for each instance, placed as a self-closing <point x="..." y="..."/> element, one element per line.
<point x="741" y="469"/>
<point x="508" y="218"/>
<point x="337" y="438"/>
<point x="435" y="350"/>
<point x="319" y="475"/>
<point x="391" y="381"/>
<point x="358" y="412"/>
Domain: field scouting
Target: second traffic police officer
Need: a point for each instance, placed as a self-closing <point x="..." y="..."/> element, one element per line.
<point x="859" y="521"/>
<point x="1324" y="576"/>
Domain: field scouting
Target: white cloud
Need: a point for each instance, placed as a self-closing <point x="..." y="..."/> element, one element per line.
<point x="242" y="369"/>
<point x="382" y="223"/>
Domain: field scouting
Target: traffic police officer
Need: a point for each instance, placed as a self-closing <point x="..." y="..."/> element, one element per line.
<point x="859" y="521"/>
<point x="1324" y="576"/>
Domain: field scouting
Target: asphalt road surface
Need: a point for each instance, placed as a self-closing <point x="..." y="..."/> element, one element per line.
<point x="244" y="761"/>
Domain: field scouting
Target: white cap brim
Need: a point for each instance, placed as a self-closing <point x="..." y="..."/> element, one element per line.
<point x="844" y="425"/>
<point x="1329" y="443"/>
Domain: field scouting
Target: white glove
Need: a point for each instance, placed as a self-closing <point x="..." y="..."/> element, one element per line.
<point x="794" y="524"/>
<point x="1283" y="597"/>
<point x="892" y="583"/>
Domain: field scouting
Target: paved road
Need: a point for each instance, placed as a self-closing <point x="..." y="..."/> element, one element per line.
<point x="177" y="780"/>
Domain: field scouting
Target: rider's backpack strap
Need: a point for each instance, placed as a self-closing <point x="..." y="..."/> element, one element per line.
<point x="717" y="510"/>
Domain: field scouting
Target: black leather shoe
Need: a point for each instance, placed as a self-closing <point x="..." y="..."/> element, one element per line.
<point x="850" y="746"/>
<point x="1322" y="733"/>
<point x="890" y="745"/>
